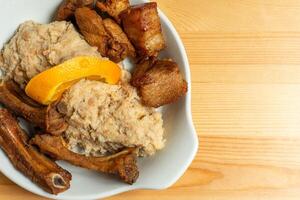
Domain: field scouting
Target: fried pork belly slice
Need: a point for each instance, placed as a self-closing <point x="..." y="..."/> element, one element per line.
<point x="25" y="158"/>
<point x="142" y="25"/>
<point x="118" y="36"/>
<point x="47" y="118"/>
<point x="122" y="164"/>
<point x="67" y="8"/>
<point x="111" y="41"/>
<point x="91" y="27"/>
<point x="113" y="7"/>
<point x="140" y="69"/>
<point x="161" y="84"/>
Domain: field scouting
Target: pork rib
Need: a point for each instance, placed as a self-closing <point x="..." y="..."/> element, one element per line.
<point x="47" y="118"/>
<point x="28" y="160"/>
<point x="122" y="164"/>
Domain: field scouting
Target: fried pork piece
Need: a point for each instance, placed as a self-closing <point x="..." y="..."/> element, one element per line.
<point x="122" y="164"/>
<point x="67" y="8"/>
<point x="25" y="158"/>
<point x="139" y="71"/>
<point x="142" y="25"/>
<point x="104" y="34"/>
<point x="118" y="36"/>
<point x="159" y="84"/>
<point x="113" y="7"/>
<point x="46" y="118"/>
<point x="91" y="27"/>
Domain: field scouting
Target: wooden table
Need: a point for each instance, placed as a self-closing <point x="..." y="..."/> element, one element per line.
<point x="245" y="63"/>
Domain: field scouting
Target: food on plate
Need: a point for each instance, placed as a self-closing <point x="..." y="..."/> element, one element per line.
<point x="67" y="8"/>
<point x="106" y="35"/>
<point x="40" y="169"/>
<point x="140" y="69"/>
<point x="36" y="47"/>
<point x="119" y="37"/>
<point x="91" y="27"/>
<point x="112" y="7"/>
<point x="91" y="112"/>
<point x="122" y="164"/>
<point x="48" y="86"/>
<point x="142" y="25"/>
<point x="47" y="118"/>
<point x="104" y="119"/>
<point x="12" y="88"/>
<point x="159" y="84"/>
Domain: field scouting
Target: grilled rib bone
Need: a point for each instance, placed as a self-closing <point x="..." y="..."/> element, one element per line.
<point x="28" y="160"/>
<point x="47" y="118"/>
<point x="122" y="164"/>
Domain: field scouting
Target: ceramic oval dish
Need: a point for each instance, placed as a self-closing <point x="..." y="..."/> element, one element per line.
<point x="157" y="172"/>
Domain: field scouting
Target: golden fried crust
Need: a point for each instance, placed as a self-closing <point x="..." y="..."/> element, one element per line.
<point x="142" y="25"/>
<point x="113" y="7"/>
<point x="47" y="118"/>
<point x="25" y="158"/>
<point x="105" y="34"/>
<point x="161" y="84"/>
<point x="67" y="8"/>
<point x="117" y="34"/>
<point x="91" y="27"/>
<point x="122" y="164"/>
<point x="140" y="69"/>
<point x="116" y="51"/>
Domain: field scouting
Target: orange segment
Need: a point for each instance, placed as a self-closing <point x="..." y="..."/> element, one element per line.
<point x="48" y="86"/>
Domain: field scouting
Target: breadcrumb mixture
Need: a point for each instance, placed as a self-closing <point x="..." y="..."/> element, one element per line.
<point x="105" y="118"/>
<point x="36" y="47"/>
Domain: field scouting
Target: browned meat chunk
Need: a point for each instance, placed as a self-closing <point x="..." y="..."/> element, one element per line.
<point x="159" y="84"/>
<point x="46" y="118"/>
<point x="140" y="69"/>
<point x="113" y="7"/>
<point x="142" y="25"/>
<point x="67" y="8"/>
<point x="91" y="27"/>
<point x="28" y="160"/>
<point x="118" y="36"/>
<point x="104" y="34"/>
<point x="122" y="164"/>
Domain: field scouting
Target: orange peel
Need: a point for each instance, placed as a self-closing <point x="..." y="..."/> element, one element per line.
<point x="49" y="85"/>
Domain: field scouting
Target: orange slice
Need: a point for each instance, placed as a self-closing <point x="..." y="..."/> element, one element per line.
<point x="49" y="85"/>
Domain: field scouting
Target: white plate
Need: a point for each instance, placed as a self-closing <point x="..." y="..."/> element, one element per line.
<point x="157" y="172"/>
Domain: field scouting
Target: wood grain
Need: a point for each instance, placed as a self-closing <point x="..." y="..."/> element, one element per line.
<point x="245" y="64"/>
